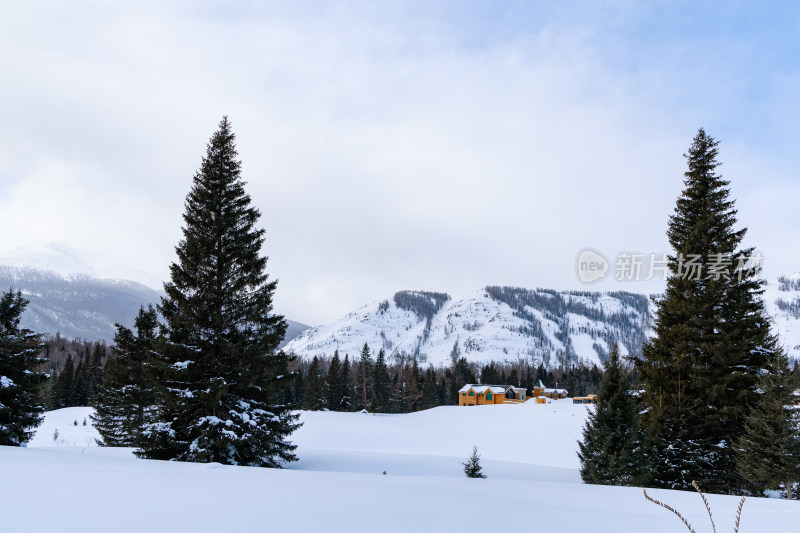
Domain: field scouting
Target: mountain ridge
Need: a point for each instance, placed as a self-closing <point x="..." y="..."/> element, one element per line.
<point x="512" y="324"/>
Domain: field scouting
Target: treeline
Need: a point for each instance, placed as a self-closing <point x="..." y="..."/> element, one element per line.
<point x="400" y="385"/>
<point x="375" y="382"/>
<point x="76" y="369"/>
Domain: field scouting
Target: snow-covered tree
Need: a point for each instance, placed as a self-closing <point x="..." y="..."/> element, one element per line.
<point x="769" y="449"/>
<point x="226" y="373"/>
<point x="20" y="374"/>
<point x="472" y="467"/>
<point x="127" y="400"/>
<point x="611" y="451"/>
<point x="712" y="337"/>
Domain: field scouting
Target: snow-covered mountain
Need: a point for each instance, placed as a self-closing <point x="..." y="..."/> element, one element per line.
<point x="68" y="262"/>
<point x="492" y="324"/>
<point x="782" y="300"/>
<point x="512" y="324"/>
<point x="84" y="306"/>
<point x="77" y="305"/>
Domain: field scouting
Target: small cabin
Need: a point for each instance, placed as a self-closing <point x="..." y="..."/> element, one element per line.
<point x="588" y="399"/>
<point x="539" y="390"/>
<point x="490" y="394"/>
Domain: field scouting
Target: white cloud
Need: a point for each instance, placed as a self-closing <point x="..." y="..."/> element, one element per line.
<point x="387" y="148"/>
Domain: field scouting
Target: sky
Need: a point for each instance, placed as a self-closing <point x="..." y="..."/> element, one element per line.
<point x="431" y="145"/>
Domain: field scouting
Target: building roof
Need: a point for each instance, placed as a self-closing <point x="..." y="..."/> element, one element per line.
<point x="539" y="385"/>
<point x="556" y="391"/>
<point x="480" y="389"/>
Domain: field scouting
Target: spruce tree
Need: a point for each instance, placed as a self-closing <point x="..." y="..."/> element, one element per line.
<point x="80" y="396"/>
<point x="63" y="388"/>
<point x="348" y="391"/>
<point x="711" y="336"/>
<point x="364" y="378"/>
<point x="473" y="468"/>
<point x="430" y="390"/>
<point x="769" y="449"/>
<point x="334" y="384"/>
<point x="128" y="397"/>
<point x="314" y="390"/>
<point x="226" y="372"/>
<point x="611" y="450"/>
<point x="382" y="385"/>
<point x="20" y="374"/>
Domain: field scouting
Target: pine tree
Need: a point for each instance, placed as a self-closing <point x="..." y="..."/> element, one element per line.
<point x="430" y="390"/>
<point x="611" y="450"/>
<point x="334" y="384"/>
<point x="473" y="468"/>
<point x="80" y="396"/>
<point x="769" y="448"/>
<point x="382" y="385"/>
<point x="20" y="374"/>
<point x="711" y="337"/>
<point x="222" y="336"/>
<point x="364" y="379"/>
<point x="96" y="371"/>
<point x="313" y="393"/>
<point x="348" y="391"/>
<point x="128" y="397"/>
<point x="63" y="388"/>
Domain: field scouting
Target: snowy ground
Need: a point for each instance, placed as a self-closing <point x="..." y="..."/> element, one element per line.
<point x="528" y="451"/>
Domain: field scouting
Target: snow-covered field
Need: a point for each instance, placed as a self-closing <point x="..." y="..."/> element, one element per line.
<point x="528" y="452"/>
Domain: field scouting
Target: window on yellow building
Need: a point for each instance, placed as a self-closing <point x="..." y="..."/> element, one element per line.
<point x="472" y="393"/>
<point x="488" y="396"/>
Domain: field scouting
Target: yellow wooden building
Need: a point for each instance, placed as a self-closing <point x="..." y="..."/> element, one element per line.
<point x="490" y="394"/>
<point x="591" y="398"/>
<point x="539" y="390"/>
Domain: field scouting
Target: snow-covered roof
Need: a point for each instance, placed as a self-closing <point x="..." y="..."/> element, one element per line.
<point x="555" y="391"/>
<point x="480" y="389"/>
<point x="539" y="385"/>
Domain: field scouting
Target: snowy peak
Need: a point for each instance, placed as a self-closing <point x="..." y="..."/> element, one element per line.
<point x="68" y="262"/>
<point x="493" y="324"/>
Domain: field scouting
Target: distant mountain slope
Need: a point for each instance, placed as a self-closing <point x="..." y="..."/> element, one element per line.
<point x="77" y="306"/>
<point x="496" y="323"/>
<point x="84" y="306"/>
<point x="782" y="300"/>
<point x="509" y="324"/>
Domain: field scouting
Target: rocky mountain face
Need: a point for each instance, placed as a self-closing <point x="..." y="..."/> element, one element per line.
<point x="492" y="324"/>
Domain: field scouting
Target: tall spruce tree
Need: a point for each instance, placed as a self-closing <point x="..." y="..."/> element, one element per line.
<point x="314" y="390"/>
<point x="711" y="336"/>
<point x="128" y="397"/>
<point x="222" y="335"/>
<point x="769" y="449"/>
<point x="63" y="387"/>
<point x="348" y="391"/>
<point x="611" y="451"/>
<point x="334" y="384"/>
<point x="382" y="385"/>
<point x="20" y="374"/>
<point x="364" y="379"/>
